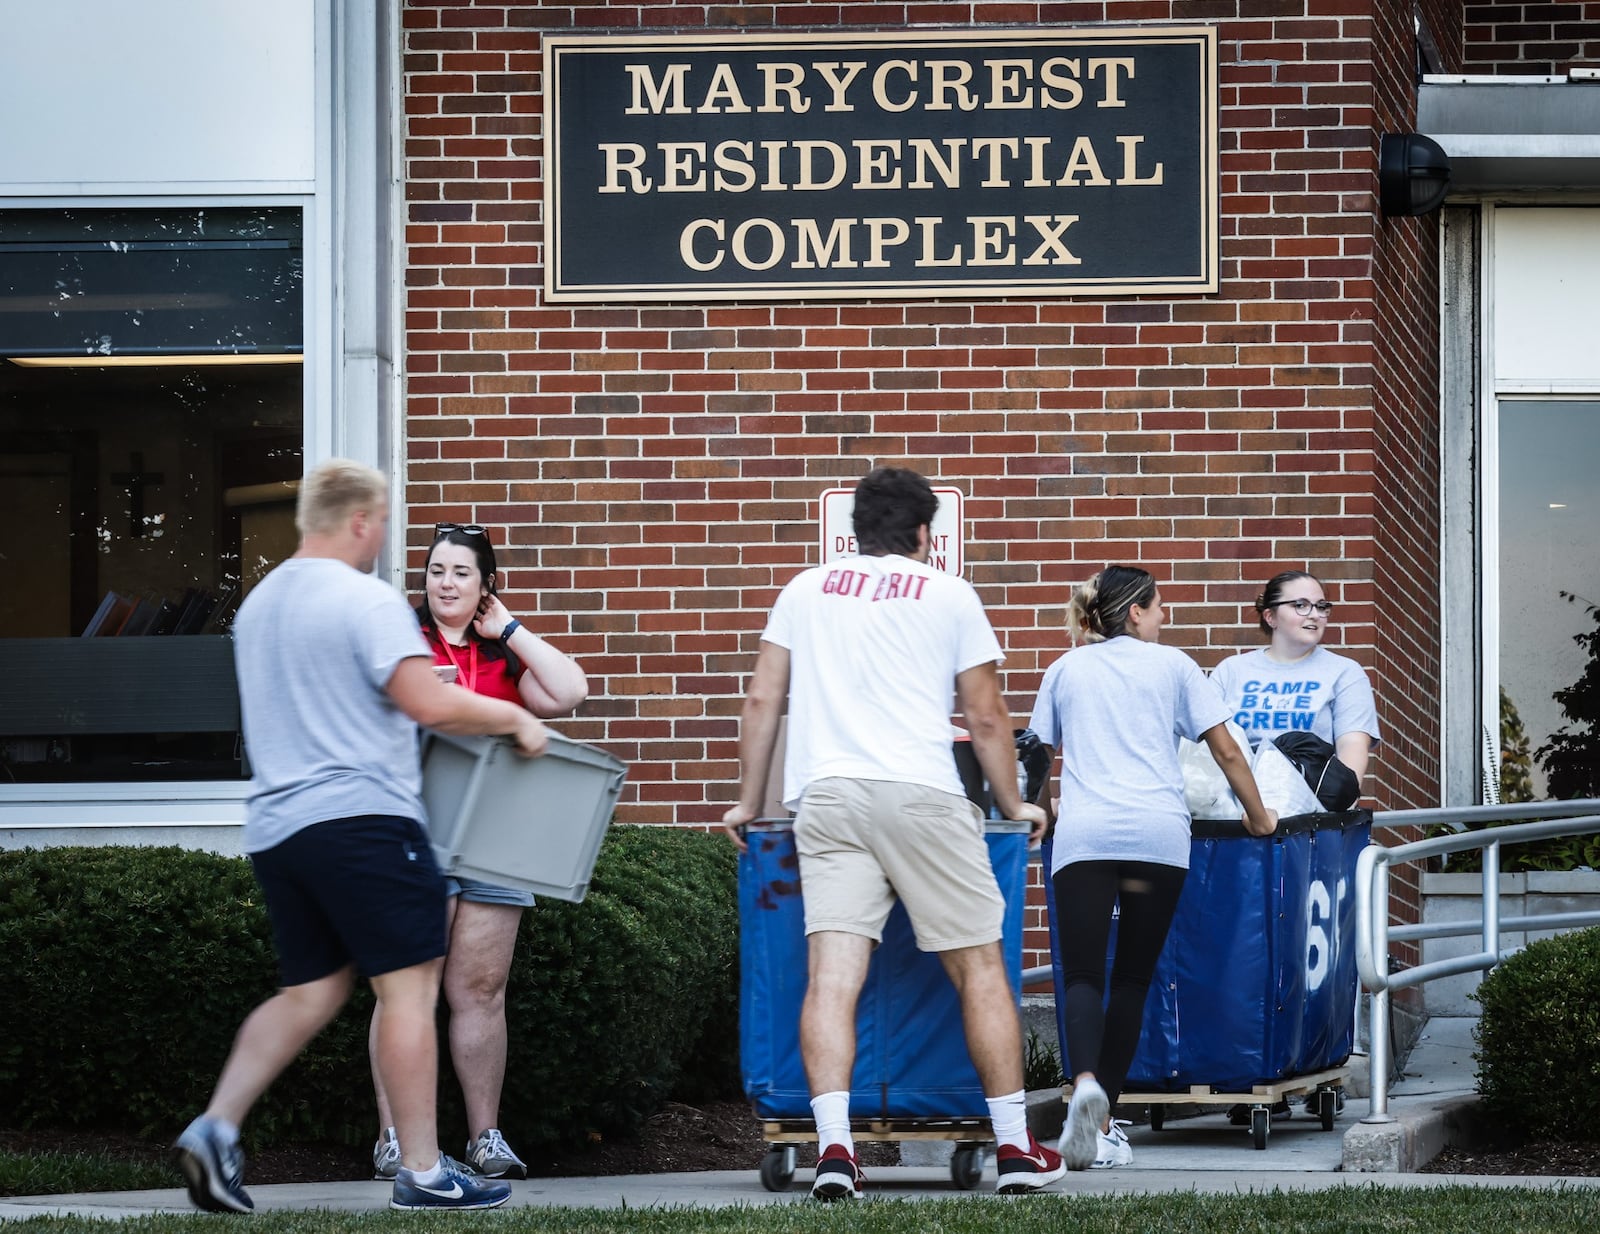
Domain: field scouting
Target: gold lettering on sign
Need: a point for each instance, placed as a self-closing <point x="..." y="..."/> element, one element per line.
<point x="801" y="243"/>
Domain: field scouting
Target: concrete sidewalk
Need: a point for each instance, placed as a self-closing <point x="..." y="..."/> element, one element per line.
<point x="1204" y="1154"/>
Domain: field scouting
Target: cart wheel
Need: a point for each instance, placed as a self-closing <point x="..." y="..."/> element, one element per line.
<point x="1158" y="1117"/>
<point x="1260" y="1122"/>
<point x="966" y="1167"/>
<point x="777" y="1167"/>
<point x="1327" y="1106"/>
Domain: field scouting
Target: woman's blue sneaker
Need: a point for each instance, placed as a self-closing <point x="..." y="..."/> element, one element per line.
<point x="455" y="1190"/>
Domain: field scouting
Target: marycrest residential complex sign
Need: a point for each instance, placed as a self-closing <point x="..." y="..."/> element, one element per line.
<point x="913" y="163"/>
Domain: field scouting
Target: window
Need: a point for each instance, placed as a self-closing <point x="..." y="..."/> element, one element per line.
<point x="151" y="405"/>
<point x="1539" y="556"/>
<point x="1548" y="558"/>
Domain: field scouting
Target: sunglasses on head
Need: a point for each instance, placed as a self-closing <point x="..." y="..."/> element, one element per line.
<point x="466" y="529"/>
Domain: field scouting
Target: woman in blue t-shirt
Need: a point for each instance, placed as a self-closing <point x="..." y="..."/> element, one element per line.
<point x="1114" y="710"/>
<point x="1294" y="684"/>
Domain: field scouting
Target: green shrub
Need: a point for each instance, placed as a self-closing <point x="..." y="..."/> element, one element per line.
<point x="1553" y="853"/>
<point x="129" y="970"/>
<point x="1539" y="1038"/>
<point x="612" y="1000"/>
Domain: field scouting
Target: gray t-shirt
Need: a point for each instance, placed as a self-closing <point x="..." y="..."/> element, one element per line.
<point x="1115" y="711"/>
<point x="1325" y="693"/>
<point x="315" y="644"/>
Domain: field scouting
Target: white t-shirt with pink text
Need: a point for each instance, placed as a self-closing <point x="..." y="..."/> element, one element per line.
<point x="875" y="644"/>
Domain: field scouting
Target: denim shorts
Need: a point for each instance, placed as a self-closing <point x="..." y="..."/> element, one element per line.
<point x="473" y="892"/>
<point x="362" y="891"/>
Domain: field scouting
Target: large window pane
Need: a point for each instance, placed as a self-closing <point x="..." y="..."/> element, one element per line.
<point x="151" y="410"/>
<point x="1549" y="544"/>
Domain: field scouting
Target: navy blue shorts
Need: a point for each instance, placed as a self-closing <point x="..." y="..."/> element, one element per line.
<point x="361" y="890"/>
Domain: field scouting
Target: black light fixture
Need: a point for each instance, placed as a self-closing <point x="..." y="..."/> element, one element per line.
<point x="1413" y="174"/>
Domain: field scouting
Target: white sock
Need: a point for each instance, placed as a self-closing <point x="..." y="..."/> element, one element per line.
<point x="228" y="1131"/>
<point x="1009" y="1114"/>
<point x="832" y="1112"/>
<point x="428" y="1177"/>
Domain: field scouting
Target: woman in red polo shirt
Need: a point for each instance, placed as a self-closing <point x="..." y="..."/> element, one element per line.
<point x="471" y="631"/>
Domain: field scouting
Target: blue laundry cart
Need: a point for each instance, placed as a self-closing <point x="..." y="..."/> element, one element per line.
<point x="1253" y="998"/>
<point x="913" y="1078"/>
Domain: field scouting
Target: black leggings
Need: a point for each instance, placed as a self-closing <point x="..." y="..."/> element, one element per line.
<point x="1103" y="1034"/>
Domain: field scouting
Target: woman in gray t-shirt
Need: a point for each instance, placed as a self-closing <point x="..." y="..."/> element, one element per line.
<point x="1294" y="684"/>
<point x="1115" y="709"/>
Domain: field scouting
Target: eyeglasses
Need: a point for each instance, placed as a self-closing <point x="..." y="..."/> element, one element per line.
<point x="466" y="529"/>
<point x="1304" y="608"/>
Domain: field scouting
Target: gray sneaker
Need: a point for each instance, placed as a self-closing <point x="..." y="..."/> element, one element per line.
<point x="492" y="1157"/>
<point x="386" y="1155"/>
<point x="457" y="1189"/>
<point x="213" y="1167"/>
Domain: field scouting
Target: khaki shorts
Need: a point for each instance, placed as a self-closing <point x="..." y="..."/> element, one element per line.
<point x="862" y="843"/>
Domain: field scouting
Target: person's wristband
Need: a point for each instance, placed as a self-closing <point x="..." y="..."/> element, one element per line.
<point x="510" y="628"/>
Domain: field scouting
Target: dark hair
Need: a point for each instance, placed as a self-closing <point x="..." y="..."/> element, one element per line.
<point x="483" y="554"/>
<point x="1101" y="605"/>
<point x="1273" y="592"/>
<point x="891" y="503"/>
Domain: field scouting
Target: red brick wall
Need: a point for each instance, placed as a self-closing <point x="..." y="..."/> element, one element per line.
<point x="1405" y="269"/>
<point x="1531" y="38"/>
<point x="657" y="468"/>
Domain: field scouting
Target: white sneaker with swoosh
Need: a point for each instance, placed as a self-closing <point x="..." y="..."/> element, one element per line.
<point x="453" y="1191"/>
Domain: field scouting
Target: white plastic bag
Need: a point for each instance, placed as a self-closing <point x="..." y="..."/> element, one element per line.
<point x="1205" y="788"/>
<point x="1282" y="786"/>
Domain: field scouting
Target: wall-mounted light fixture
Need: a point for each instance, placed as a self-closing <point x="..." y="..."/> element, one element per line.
<point x="1413" y="174"/>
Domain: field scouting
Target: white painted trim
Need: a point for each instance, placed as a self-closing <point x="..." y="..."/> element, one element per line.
<point x="1557" y="390"/>
<point x="1442" y="497"/>
<point x="321" y="365"/>
<point x="1489" y="507"/>
<point x="95" y="807"/>
<point x="60" y="200"/>
<point x="134" y="191"/>
<point x="392" y="47"/>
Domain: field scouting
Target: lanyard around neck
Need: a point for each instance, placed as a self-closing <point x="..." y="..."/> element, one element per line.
<point x="471" y="673"/>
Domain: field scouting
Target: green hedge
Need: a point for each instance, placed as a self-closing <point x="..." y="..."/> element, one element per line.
<point x="1539" y="1038"/>
<point x="129" y="969"/>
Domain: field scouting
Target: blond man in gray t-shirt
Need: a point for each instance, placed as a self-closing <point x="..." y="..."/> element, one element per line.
<point x="333" y="680"/>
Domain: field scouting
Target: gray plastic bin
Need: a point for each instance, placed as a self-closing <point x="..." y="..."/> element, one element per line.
<point x="534" y="824"/>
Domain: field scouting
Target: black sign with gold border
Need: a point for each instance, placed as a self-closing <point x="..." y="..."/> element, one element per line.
<point x="955" y="163"/>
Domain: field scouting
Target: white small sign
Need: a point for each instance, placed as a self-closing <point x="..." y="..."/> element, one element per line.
<point x="944" y="552"/>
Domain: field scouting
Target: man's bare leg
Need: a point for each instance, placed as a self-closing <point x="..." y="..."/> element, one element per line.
<point x="988" y="1015"/>
<point x="837" y="969"/>
<point x="407" y="1052"/>
<point x="837" y="965"/>
<point x="271" y="1037"/>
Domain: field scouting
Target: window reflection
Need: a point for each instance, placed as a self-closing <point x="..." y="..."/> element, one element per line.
<point x="139" y="502"/>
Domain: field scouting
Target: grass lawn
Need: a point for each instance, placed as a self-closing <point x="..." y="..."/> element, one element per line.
<point x="66" y="1173"/>
<point x="1462" y="1209"/>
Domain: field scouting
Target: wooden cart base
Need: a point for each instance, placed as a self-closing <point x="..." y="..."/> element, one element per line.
<point x="972" y="1137"/>
<point x="1326" y="1086"/>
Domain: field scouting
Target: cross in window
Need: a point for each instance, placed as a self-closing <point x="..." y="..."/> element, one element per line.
<point x="134" y="481"/>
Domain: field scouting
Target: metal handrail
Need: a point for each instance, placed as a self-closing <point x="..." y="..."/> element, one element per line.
<point x="1374" y="933"/>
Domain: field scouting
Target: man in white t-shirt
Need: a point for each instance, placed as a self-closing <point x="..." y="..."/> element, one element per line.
<point x="867" y="651"/>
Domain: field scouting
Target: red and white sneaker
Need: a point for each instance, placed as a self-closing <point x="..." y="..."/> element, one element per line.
<point x="1027" y="1171"/>
<point x="839" y="1175"/>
